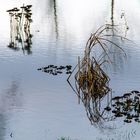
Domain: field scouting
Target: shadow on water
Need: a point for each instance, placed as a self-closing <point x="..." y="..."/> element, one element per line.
<point x="2" y="126"/>
<point x="20" y="36"/>
<point x="9" y="99"/>
<point x="12" y="96"/>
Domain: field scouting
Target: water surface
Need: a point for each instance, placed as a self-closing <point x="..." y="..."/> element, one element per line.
<point x="37" y="106"/>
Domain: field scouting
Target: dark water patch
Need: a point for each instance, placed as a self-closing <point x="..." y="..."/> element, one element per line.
<point x="55" y="70"/>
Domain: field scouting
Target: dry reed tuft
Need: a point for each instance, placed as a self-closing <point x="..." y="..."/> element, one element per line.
<point x="92" y="85"/>
<point x="91" y="81"/>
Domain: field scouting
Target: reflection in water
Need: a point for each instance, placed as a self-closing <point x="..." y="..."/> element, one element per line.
<point x="20" y="35"/>
<point x="118" y="37"/>
<point x="116" y="55"/>
<point x="12" y="96"/>
<point x="56" y="18"/>
<point x="9" y="99"/>
<point x="54" y="13"/>
<point x="41" y="117"/>
<point x="2" y="126"/>
<point x="112" y="12"/>
<point x="125" y="28"/>
<point x="120" y="135"/>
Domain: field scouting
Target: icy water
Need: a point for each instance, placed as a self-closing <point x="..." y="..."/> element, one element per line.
<point x="38" y="106"/>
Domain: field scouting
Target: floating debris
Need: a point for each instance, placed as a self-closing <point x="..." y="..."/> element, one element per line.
<point x="127" y="106"/>
<point x="55" y="70"/>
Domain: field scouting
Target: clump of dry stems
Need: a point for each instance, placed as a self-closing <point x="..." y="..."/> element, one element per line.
<point x="92" y="83"/>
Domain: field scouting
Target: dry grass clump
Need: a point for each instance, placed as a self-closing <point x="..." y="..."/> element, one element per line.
<point x="92" y="85"/>
<point x="90" y="78"/>
<point x="91" y="81"/>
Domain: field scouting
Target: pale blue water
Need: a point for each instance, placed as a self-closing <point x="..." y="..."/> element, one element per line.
<point x="37" y="106"/>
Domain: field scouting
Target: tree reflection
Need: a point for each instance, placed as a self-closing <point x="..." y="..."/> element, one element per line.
<point x="53" y="10"/>
<point x="20" y="36"/>
<point x="55" y="18"/>
<point x="112" y="12"/>
<point x="117" y="36"/>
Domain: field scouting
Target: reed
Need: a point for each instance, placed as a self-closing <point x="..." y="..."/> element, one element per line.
<point x="91" y="81"/>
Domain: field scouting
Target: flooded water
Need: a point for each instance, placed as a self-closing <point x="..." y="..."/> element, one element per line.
<point x="37" y="106"/>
